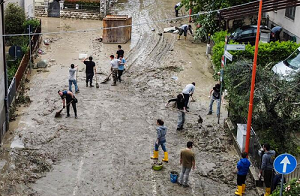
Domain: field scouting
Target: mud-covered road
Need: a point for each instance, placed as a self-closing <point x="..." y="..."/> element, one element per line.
<point x="106" y="151"/>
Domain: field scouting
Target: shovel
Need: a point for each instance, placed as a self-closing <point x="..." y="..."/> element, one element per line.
<point x="97" y="84"/>
<point x="57" y="114"/>
<point x="106" y="79"/>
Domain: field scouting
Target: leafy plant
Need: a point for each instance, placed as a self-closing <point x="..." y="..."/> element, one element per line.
<point x="292" y="188"/>
<point x="14" y="18"/>
<point x="34" y="23"/>
<point x="275" y="110"/>
<point x="268" y="53"/>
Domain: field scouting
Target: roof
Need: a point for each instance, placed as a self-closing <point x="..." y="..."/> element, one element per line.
<point x="251" y="8"/>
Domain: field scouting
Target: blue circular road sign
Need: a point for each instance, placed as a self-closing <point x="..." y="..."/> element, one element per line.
<point x="285" y="163"/>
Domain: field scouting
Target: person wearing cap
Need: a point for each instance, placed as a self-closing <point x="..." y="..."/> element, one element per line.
<point x="214" y="94"/>
<point x="187" y="93"/>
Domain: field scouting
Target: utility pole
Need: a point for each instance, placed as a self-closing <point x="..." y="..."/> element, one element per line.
<point x="249" y="121"/>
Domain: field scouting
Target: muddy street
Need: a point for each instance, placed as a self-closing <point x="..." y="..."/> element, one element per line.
<point x="106" y="151"/>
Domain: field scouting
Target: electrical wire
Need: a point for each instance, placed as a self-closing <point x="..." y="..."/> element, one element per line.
<point x="124" y="26"/>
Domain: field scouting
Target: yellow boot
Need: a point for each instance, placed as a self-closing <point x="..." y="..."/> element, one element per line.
<point x="178" y="37"/>
<point x="166" y="158"/>
<point x="239" y="191"/>
<point x="244" y="188"/>
<point x="268" y="192"/>
<point x="155" y="155"/>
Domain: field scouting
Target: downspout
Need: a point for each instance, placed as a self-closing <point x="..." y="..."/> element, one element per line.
<point x="5" y="69"/>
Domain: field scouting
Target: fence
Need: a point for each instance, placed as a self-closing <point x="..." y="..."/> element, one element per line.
<point x="15" y="83"/>
<point x="35" y="43"/>
<point x="294" y="174"/>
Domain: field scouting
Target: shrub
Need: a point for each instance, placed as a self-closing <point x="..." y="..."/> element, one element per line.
<point x="34" y="23"/>
<point x="275" y="111"/>
<point x="292" y="188"/>
<point x="14" y="18"/>
<point x="268" y="53"/>
<point x="219" y="36"/>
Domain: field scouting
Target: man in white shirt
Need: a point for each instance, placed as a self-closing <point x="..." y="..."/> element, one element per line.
<point x="187" y="92"/>
<point x="72" y="78"/>
<point x="184" y="30"/>
<point x="114" y="69"/>
<point x="177" y="7"/>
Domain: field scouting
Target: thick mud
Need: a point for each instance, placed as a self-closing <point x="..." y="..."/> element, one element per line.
<point x="106" y="151"/>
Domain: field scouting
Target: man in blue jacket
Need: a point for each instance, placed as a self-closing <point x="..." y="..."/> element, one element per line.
<point x="243" y="168"/>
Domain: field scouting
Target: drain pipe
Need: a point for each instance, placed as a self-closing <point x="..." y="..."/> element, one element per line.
<point x="5" y="69"/>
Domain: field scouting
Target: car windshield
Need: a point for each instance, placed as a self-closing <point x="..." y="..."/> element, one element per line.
<point x="236" y="32"/>
<point x="293" y="61"/>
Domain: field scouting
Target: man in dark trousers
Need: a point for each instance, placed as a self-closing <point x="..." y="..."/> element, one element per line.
<point x="267" y="167"/>
<point x="243" y="168"/>
<point x="214" y="95"/>
<point x="187" y="160"/>
<point x="180" y="103"/>
<point x="177" y="7"/>
<point x="184" y="30"/>
<point x="120" y="52"/>
<point x="89" y="70"/>
<point x="70" y="98"/>
<point x="187" y="92"/>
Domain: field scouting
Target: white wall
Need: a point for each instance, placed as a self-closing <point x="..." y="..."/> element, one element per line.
<point x="27" y="5"/>
<point x="290" y="25"/>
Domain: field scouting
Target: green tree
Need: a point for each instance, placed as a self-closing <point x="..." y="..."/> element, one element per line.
<point x="14" y="18"/>
<point x="209" y="22"/>
<point x="276" y="110"/>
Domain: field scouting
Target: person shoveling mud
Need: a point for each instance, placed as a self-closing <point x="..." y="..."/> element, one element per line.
<point x="181" y="110"/>
<point x="69" y="96"/>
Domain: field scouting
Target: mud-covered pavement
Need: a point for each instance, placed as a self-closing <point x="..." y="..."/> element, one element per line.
<point x="106" y="151"/>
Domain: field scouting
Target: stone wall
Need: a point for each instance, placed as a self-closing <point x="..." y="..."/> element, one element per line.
<point x="71" y="14"/>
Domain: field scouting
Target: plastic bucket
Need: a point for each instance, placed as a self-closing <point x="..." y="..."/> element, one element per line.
<point x="173" y="176"/>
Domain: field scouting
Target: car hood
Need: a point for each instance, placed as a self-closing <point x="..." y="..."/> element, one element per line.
<point x="281" y="69"/>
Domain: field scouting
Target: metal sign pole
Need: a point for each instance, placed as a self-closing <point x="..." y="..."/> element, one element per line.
<point x="29" y="49"/>
<point x="281" y="188"/>
<point x="221" y="81"/>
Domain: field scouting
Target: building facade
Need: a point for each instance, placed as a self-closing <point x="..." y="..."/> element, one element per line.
<point x="289" y="20"/>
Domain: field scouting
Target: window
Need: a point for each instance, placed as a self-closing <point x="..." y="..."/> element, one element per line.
<point x="247" y="33"/>
<point x="290" y="12"/>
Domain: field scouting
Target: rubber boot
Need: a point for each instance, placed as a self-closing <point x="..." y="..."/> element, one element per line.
<point x="244" y="188"/>
<point x="166" y="158"/>
<point x="155" y="155"/>
<point x="268" y="192"/>
<point x="239" y="191"/>
<point x="178" y="36"/>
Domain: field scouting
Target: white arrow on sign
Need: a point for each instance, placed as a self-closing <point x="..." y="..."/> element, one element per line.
<point x="285" y="161"/>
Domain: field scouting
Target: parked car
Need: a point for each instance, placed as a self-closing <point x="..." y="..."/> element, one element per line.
<point x="289" y="65"/>
<point x="247" y="34"/>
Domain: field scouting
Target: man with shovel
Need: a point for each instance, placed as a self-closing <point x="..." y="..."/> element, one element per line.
<point x="69" y="96"/>
<point x="89" y="70"/>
